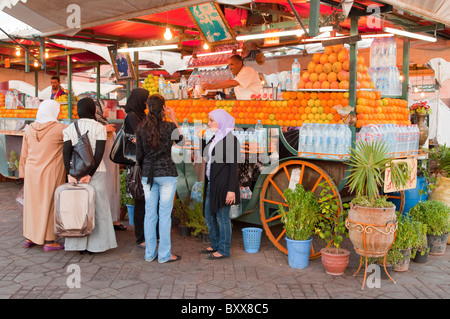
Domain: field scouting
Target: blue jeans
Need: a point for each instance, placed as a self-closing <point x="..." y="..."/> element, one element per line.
<point x="163" y="190"/>
<point x="219" y="227"/>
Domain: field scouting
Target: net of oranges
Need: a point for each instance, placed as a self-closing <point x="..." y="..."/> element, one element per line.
<point x="372" y="109"/>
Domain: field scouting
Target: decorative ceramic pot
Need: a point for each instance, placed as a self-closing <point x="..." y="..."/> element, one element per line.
<point x="423" y="128"/>
<point x="335" y="264"/>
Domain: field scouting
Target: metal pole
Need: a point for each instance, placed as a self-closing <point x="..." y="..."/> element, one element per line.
<point x="69" y="85"/>
<point x="405" y="83"/>
<point x="98" y="80"/>
<point x="36" y="83"/>
<point x="353" y="74"/>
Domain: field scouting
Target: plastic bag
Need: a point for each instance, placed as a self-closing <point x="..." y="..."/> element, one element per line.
<point x="19" y="201"/>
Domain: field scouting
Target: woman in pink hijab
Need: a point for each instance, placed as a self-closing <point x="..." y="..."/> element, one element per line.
<point x="221" y="183"/>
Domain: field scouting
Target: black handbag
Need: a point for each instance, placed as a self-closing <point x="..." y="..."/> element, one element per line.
<point x="134" y="182"/>
<point x="82" y="162"/>
<point x="123" y="150"/>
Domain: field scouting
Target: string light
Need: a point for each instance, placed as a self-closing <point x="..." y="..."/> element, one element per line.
<point x="17" y="52"/>
<point x="36" y="64"/>
<point x="205" y="46"/>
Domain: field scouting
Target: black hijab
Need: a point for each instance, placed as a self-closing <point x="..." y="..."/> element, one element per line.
<point x="137" y="102"/>
<point x="86" y="108"/>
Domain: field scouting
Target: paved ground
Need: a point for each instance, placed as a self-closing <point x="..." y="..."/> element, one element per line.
<point x="122" y="273"/>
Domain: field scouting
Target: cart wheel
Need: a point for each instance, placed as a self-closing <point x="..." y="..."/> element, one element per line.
<point x="400" y="197"/>
<point x="271" y="195"/>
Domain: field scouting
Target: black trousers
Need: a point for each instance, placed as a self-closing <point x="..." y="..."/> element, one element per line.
<point x="139" y="214"/>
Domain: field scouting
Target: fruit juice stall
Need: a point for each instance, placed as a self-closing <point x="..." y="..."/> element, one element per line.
<point x="306" y="129"/>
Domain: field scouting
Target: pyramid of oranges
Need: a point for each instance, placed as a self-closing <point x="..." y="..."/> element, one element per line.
<point x="330" y="70"/>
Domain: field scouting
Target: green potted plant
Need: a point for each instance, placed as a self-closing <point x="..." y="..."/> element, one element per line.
<point x="125" y="198"/>
<point x="420" y="250"/>
<point x="196" y="220"/>
<point x="368" y="163"/>
<point x="13" y="164"/>
<point x="331" y="229"/>
<point x="441" y="189"/>
<point x="299" y="223"/>
<point x="435" y="215"/>
<point x="180" y="209"/>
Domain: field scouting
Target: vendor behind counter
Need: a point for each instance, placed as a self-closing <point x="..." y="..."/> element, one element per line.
<point x="245" y="83"/>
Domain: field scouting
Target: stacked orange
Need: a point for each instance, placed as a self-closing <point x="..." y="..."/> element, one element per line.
<point x="17" y="113"/>
<point x="372" y="109"/>
<point x="330" y="70"/>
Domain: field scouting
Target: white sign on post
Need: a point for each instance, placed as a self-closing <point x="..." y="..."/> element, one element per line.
<point x="389" y="187"/>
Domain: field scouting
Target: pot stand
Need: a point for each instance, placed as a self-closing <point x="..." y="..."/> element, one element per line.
<point x="367" y="228"/>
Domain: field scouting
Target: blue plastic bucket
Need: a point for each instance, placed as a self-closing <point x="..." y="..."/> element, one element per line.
<point x="412" y="196"/>
<point x="130" y="210"/>
<point x="252" y="239"/>
<point x="298" y="252"/>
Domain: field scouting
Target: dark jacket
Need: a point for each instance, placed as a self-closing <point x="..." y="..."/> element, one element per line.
<point x="158" y="162"/>
<point x="224" y="176"/>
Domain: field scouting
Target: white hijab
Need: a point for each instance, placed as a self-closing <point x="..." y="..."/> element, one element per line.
<point x="48" y="111"/>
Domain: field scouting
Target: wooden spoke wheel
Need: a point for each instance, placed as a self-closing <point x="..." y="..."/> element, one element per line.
<point x="398" y="197"/>
<point x="310" y="176"/>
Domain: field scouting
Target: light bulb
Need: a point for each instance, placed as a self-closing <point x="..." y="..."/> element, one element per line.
<point x="36" y="64"/>
<point x="46" y="55"/>
<point x="18" y="52"/>
<point x="168" y="34"/>
<point x="205" y="46"/>
<point x="422" y="94"/>
<point x="416" y="90"/>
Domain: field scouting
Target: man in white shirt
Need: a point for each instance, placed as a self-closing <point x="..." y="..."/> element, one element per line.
<point x="246" y="81"/>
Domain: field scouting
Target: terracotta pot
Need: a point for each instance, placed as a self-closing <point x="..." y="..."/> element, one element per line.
<point x="403" y="265"/>
<point x="423" y="128"/>
<point x="437" y="244"/>
<point x="335" y="264"/>
<point x="378" y="225"/>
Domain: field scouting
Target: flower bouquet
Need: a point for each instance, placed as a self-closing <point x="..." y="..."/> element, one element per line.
<point x="420" y="108"/>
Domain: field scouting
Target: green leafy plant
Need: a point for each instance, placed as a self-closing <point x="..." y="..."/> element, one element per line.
<point x="195" y="218"/>
<point x="368" y="162"/>
<point x="441" y="154"/>
<point x="302" y="215"/>
<point x="331" y="225"/>
<point x="125" y="198"/>
<point x="420" y="244"/>
<point x="434" y="214"/>
<point x="13" y="160"/>
<point x="181" y="209"/>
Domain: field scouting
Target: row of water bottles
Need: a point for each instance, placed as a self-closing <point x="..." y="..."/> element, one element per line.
<point x="386" y="80"/>
<point x="325" y="139"/>
<point x="383" y="52"/>
<point x="246" y="192"/>
<point x="214" y="75"/>
<point x="253" y="141"/>
<point x="398" y="138"/>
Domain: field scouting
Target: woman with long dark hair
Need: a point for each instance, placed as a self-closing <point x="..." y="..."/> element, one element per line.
<point x="154" y="141"/>
<point x="135" y="109"/>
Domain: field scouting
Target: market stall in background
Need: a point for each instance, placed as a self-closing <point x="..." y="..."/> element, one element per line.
<point x="333" y="74"/>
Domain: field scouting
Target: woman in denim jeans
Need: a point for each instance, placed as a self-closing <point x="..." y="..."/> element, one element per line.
<point x="154" y="141"/>
<point x="221" y="183"/>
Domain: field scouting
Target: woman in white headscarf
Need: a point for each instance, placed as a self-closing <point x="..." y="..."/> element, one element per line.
<point x="41" y="165"/>
<point x="221" y="183"/>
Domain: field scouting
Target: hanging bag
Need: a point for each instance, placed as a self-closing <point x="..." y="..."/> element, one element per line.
<point x="82" y="162"/>
<point x="121" y="152"/>
<point x="134" y="182"/>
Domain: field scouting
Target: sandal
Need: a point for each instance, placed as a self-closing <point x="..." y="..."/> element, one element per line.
<point x="207" y="251"/>
<point x="172" y="260"/>
<point x="212" y="257"/>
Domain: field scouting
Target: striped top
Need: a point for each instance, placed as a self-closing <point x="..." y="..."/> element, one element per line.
<point x="96" y="132"/>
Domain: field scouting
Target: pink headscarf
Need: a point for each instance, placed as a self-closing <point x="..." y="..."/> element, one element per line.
<point x="225" y="121"/>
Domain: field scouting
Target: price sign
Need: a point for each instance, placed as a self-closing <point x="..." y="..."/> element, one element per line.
<point x="389" y="187"/>
<point x="272" y="40"/>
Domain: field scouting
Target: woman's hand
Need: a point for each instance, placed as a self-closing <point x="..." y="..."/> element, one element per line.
<point x="170" y="112"/>
<point x="231" y="198"/>
<point x="72" y="179"/>
<point x="85" y="179"/>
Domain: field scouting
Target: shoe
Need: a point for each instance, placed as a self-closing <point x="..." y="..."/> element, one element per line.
<point x="207" y="251"/>
<point x="52" y="248"/>
<point x="28" y="244"/>
<point x="141" y="246"/>
<point x="120" y="227"/>
<point x="172" y="260"/>
<point x="212" y="257"/>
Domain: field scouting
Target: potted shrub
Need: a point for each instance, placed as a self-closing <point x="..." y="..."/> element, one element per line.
<point x="299" y="222"/>
<point x="420" y="250"/>
<point x="435" y="215"/>
<point x="196" y="220"/>
<point x="368" y="162"/>
<point x="13" y="164"/>
<point x="126" y="200"/>
<point x="441" y="191"/>
<point x="180" y="209"/>
<point x="331" y="229"/>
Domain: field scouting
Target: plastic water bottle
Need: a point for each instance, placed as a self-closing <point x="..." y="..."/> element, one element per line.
<point x="183" y="87"/>
<point x="289" y="81"/>
<point x="185" y="129"/>
<point x="340" y="146"/>
<point x="248" y="192"/>
<point x="308" y="138"/>
<point x="295" y="75"/>
<point x="332" y="144"/>
<point x="162" y="84"/>
<point x="302" y="138"/>
<point x="261" y="136"/>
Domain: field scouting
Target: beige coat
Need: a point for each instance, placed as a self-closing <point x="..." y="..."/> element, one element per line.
<point x="41" y="166"/>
